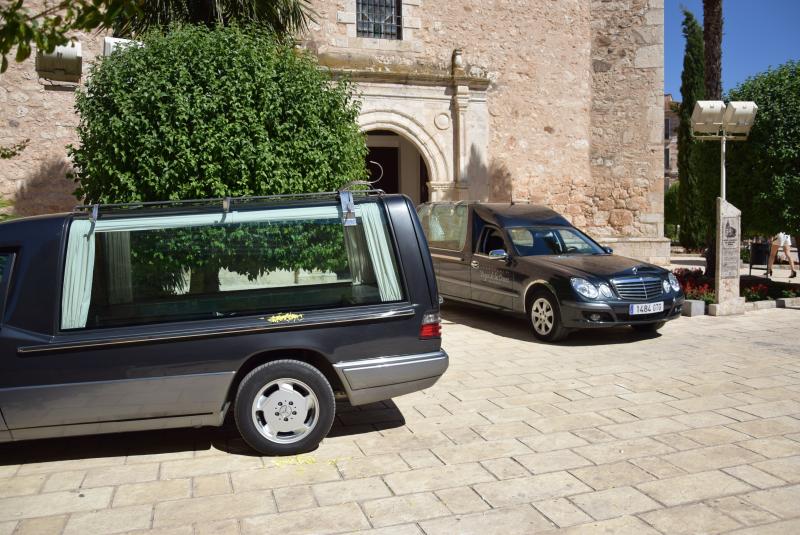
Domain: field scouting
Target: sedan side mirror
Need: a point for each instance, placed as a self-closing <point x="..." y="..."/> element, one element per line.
<point x="498" y="254"/>
<point x="609" y="250"/>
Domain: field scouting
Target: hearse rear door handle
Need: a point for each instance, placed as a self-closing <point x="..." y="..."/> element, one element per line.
<point x="474" y="264"/>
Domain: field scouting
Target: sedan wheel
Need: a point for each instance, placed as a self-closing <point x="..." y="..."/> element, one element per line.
<point x="545" y="317"/>
<point x="542" y="316"/>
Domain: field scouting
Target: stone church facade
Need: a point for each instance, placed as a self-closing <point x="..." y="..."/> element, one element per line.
<point x="557" y="103"/>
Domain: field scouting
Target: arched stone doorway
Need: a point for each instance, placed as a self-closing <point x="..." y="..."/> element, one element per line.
<point x="422" y="169"/>
<point x="397" y="165"/>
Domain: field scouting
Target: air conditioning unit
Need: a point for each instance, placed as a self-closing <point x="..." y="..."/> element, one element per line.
<point x="64" y="64"/>
<point x="110" y="44"/>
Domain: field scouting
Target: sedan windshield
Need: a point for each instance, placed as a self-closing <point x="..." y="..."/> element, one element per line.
<point x="534" y="241"/>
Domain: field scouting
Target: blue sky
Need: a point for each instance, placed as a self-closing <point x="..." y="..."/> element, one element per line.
<point x="757" y="34"/>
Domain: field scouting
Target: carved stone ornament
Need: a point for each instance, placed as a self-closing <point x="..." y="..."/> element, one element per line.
<point x="458" y="62"/>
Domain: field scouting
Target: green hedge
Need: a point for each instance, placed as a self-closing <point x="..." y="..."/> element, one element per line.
<point x="209" y="112"/>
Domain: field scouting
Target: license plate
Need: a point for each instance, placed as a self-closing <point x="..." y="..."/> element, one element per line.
<point x="646" y="308"/>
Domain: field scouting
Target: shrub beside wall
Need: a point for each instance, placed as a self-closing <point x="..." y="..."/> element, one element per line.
<point x="200" y="112"/>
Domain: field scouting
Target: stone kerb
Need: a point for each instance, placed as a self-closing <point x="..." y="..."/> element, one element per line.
<point x="787" y="302"/>
<point x="696" y="307"/>
<point x="693" y="307"/>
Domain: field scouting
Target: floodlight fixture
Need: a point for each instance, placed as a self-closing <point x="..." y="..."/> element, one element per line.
<point x="713" y="119"/>
<point x="707" y="116"/>
<point x="739" y="117"/>
<point x="63" y="64"/>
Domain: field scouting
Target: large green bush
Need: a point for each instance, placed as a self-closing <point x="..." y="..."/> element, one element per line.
<point x="764" y="171"/>
<point x="209" y="112"/>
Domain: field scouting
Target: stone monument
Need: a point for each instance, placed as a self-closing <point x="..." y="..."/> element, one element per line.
<point x="729" y="224"/>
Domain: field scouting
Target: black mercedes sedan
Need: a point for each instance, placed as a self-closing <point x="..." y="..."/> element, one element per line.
<point x="530" y="260"/>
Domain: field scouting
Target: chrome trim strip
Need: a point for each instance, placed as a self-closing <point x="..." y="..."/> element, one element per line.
<point x="379" y="362"/>
<point x="210" y="333"/>
<point x="380" y="378"/>
<point x="448" y="257"/>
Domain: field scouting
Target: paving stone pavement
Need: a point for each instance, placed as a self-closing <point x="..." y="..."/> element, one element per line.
<point x="694" y="430"/>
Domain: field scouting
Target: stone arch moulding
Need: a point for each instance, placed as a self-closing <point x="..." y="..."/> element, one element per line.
<point x="414" y="132"/>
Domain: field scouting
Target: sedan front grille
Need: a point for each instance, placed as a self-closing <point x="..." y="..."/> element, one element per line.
<point x="638" y="288"/>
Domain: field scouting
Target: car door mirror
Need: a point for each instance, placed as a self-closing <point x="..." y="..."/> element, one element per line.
<point x="498" y="254"/>
<point x="609" y="250"/>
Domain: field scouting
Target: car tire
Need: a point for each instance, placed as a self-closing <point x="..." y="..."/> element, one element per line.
<point x="284" y="407"/>
<point x="648" y="327"/>
<point x="545" y="317"/>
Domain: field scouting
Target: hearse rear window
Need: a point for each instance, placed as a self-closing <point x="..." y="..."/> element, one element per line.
<point x="189" y="267"/>
<point x="445" y="225"/>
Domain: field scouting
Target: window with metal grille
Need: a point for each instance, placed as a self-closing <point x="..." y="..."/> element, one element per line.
<point x="380" y="19"/>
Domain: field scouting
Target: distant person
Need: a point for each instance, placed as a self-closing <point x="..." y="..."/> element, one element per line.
<point x="781" y="241"/>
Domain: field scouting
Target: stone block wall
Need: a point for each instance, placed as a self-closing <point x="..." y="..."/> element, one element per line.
<point x="575" y="100"/>
<point x="627" y="120"/>
<point x="536" y="56"/>
<point x="35" y="181"/>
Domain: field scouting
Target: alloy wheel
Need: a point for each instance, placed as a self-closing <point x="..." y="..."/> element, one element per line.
<point x="285" y="410"/>
<point x="542" y="316"/>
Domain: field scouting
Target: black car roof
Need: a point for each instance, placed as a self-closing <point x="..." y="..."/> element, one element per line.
<point x="517" y="214"/>
<point x="11" y="227"/>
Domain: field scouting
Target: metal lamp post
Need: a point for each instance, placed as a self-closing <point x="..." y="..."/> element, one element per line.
<point x="714" y="120"/>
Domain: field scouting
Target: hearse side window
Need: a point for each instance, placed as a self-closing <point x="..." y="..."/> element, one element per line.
<point x="492" y="241"/>
<point x="540" y="240"/>
<point x="445" y="225"/>
<point x="190" y="267"/>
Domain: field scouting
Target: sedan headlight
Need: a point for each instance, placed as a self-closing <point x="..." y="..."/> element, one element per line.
<point x="665" y="284"/>
<point x="605" y="290"/>
<point x="674" y="282"/>
<point x="585" y="288"/>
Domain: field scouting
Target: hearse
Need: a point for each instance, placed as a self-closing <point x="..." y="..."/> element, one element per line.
<point x="161" y="315"/>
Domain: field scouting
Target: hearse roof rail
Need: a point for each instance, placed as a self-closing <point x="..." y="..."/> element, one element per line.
<point x="224" y="204"/>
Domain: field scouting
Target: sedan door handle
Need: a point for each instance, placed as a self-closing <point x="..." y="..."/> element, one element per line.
<point x="474" y="264"/>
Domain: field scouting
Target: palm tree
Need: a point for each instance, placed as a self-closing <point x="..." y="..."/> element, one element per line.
<point x="283" y="17"/>
<point x="712" y="37"/>
<point x="712" y="41"/>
